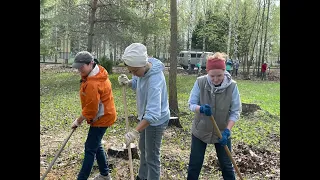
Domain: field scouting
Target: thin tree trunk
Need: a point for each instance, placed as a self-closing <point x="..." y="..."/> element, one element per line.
<point x="145" y="35"/>
<point x="104" y="45"/>
<point x="266" y="32"/>
<point x="235" y="29"/>
<point x="115" y="52"/>
<point x="204" y="23"/>
<point x="155" y="46"/>
<point x="248" y="43"/>
<point x="110" y="50"/>
<point x="91" y="24"/>
<point x="173" y="101"/>
<point x="261" y="35"/>
<point x="56" y="36"/>
<point x="252" y="54"/>
<point x="230" y="29"/>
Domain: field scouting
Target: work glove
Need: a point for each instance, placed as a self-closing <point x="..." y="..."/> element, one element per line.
<point x="75" y="124"/>
<point x="131" y="136"/>
<point x="206" y="109"/>
<point x="225" y="136"/>
<point x="123" y="80"/>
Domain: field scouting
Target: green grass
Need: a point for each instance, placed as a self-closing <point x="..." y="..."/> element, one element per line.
<point x="265" y="94"/>
<point x="60" y="105"/>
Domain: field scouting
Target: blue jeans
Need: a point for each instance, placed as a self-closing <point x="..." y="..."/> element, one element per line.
<point x="198" y="149"/>
<point x="263" y="75"/>
<point x="94" y="148"/>
<point x="149" y="145"/>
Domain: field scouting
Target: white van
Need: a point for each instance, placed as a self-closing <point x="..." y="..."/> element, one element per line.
<point x="196" y="57"/>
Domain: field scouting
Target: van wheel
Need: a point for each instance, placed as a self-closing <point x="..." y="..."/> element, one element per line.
<point x="185" y="67"/>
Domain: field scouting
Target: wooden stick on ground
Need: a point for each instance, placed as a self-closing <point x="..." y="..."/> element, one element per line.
<point x="127" y="129"/>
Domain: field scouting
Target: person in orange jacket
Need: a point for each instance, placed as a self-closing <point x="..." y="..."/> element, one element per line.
<point x="98" y="110"/>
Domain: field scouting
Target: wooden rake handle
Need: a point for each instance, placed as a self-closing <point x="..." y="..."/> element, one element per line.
<point x="127" y="129"/>
<point x="225" y="146"/>
<point x="57" y="155"/>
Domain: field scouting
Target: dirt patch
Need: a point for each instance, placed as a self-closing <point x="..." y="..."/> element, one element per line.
<point x="249" y="108"/>
<point x="251" y="160"/>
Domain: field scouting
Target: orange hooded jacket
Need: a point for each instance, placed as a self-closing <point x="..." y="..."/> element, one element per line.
<point x="97" y="99"/>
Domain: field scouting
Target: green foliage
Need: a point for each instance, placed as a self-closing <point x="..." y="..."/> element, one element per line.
<point x="44" y="21"/>
<point x="215" y="30"/>
<point x="106" y="63"/>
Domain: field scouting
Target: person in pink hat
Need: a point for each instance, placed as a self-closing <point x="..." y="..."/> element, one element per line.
<point x="218" y="95"/>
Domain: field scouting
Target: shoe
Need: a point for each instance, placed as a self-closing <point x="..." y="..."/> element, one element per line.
<point x="138" y="178"/>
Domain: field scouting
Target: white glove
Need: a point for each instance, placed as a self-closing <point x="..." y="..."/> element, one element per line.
<point x="123" y="79"/>
<point x="131" y="136"/>
<point x="75" y="124"/>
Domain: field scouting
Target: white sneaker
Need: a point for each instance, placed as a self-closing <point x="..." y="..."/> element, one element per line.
<point x="100" y="177"/>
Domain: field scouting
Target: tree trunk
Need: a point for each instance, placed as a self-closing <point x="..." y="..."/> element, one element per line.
<point x="255" y="41"/>
<point x="173" y="101"/>
<point x="115" y="52"/>
<point x="246" y="74"/>
<point x="279" y="56"/>
<point x="158" y="47"/>
<point x="104" y="45"/>
<point x="252" y="54"/>
<point x="204" y="24"/>
<point x="235" y="33"/>
<point x="91" y="24"/>
<point x="110" y="50"/>
<point x="165" y="51"/>
<point x="190" y="70"/>
<point x="260" y="46"/>
<point x="56" y="36"/>
<point x="230" y="29"/>
<point x="145" y="34"/>
<point x="155" y="46"/>
<point x="265" y="34"/>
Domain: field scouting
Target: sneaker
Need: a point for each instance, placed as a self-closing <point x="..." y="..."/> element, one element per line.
<point x="138" y="178"/>
<point x="100" y="177"/>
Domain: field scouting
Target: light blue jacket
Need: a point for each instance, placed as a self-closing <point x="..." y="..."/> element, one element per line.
<point x="152" y="95"/>
<point x="235" y="109"/>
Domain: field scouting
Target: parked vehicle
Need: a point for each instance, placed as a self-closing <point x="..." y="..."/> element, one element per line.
<point x="196" y="56"/>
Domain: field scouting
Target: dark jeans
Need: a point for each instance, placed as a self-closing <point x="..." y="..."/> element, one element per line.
<point x="198" y="149"/>
<point x="235" y="71"/>
<point x="94" y="148"/>
<point x="263" y="75"/>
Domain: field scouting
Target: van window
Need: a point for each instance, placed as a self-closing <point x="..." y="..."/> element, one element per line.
<point x="181" y="55"/>
<point x="193" y="55"/>
<point x="198" y="55"/>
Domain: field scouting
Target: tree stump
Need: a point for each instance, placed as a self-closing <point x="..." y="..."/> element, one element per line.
<point x="123" y="152"/>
